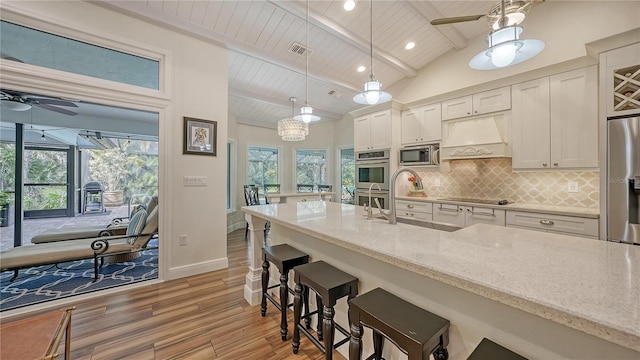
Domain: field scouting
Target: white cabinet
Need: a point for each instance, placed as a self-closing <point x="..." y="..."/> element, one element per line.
<point x="476" y="104"/>
<point x="555" y="121"/>
<point x="373" y="131"/>
<point x="421" y="124"/>
<point x="449" y="214"/>
<point x="620" y="74"/>
<point x="562" y="224"/>
<point x="484" y="215"/>
<point x="414" y="210"/>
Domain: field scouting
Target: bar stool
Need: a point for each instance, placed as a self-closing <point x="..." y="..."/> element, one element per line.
<point x="284" y="257"/>
<point x="488" y="350"/>
<point x="329" y="284"/>
<point x="415" y="330"/>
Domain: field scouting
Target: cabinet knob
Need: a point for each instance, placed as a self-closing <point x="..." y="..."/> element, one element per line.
<point x="544" y="164"/>
<point x="555" y="164"/>
<point x="546" y="222"/>
<point x="410" y="206"/>
<point x="468" y="113"/>
<point x="476" y="111"/>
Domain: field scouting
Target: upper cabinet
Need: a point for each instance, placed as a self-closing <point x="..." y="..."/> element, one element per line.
<point x="621" y="71"/>
<point x="421" y="125"/>
<point x="476" y="104"/>
<point x="373" y="131"/>
<point x="555" y="121"/>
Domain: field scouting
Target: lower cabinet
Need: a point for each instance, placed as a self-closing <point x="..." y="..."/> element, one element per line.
<point x="484" y="215"/>
<point x="561" y="224"/>
<point x="414" y="210"/>
<point x="448" y="214"/>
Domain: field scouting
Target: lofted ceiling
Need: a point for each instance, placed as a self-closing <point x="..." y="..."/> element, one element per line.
<point x="264" y="74"/>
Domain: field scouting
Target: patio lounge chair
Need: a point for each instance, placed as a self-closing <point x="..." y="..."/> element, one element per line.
<point x="118" y="226"/>
<point x="138" y="235"/>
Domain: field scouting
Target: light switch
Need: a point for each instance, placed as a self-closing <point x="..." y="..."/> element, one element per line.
<point x="194" y="181"/>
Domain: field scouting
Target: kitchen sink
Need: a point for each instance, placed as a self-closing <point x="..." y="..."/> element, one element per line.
<point x="430" y="225"/>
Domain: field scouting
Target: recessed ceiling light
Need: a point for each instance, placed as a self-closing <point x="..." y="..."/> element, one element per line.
<point x="362" y="68"/>
<point x="349" y="5"/>
<point x="410" y="45"/>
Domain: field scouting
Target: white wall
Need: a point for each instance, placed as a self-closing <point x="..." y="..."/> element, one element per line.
<point x="564" y="26"/>
<point x="196" y="87"/>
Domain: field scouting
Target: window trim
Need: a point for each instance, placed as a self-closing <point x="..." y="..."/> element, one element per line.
<point x="266" y="146"/>
<point x="294" y="160"/>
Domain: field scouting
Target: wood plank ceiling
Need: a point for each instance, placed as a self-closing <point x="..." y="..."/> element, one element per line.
<point x="263" y="73"/>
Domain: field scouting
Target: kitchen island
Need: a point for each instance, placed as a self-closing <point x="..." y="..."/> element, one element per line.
<point x="545" y="296"/>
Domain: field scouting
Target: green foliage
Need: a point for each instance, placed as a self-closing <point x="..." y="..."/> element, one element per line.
<point x="5" y="199"/>
<point x="7" y="166"/>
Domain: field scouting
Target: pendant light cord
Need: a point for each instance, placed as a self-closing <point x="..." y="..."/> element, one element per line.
<point x="306" y="72"/>
<point x="371" y="40"/>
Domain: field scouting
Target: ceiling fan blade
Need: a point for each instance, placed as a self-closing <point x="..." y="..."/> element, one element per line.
<point x="457" y="19"/>
<point x="55" y="102"/>
<point x="57" y="109"/>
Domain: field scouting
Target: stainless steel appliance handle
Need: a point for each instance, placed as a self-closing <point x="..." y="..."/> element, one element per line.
<point x="480" y="213"/>
<point x="371" y="162"/>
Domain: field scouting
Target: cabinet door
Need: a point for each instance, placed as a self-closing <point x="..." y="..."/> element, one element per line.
<point x="492" y="101"/>
<point x="430" y="117"/>
<point x="362" y="130"/>
<point x="381" y="130"/>
<point x="410" y="127"/>
<point x="620" y="71"/>
<point x="530" y="125"/>
<point x="477" y="215"/>
<point x="448" y="214"/>
<point x="574" y="118"/>
<point x="457" y="108"/>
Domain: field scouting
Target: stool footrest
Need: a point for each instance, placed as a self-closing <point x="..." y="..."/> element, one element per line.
<point x="317" y="342"/>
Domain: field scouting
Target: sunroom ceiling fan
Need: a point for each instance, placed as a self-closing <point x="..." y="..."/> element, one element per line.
<point x="514" y="10"/>
<point x="17" y="101"/>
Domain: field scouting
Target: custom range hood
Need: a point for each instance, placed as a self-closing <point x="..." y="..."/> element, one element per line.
<point x="486" y="136"/>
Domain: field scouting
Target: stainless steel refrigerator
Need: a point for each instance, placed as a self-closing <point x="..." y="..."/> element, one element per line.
<point x="623" y="180"/>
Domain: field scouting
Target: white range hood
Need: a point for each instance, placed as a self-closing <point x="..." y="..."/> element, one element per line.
<point x="478" y="137"/>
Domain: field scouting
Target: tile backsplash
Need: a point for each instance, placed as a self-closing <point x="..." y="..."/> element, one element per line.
<point x="495" y="179"/>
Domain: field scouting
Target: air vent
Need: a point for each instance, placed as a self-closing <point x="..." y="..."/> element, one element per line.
<point x="299" y="49"/>
<point x="335" y="93"/>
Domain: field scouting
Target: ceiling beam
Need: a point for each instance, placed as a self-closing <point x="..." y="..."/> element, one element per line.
<point x="299" y="9"/>
<point x="429" y="12"/>
<point x="278" y="102"/>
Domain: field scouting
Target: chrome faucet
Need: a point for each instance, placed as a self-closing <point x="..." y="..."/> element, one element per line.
<point x="369" y="206"/>
<point x="391" y="213"/>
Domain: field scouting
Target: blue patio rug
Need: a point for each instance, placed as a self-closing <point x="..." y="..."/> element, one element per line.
<point x="44" y="283"/>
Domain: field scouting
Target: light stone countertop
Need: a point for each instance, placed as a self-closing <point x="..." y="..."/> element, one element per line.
<point x="589" y="285"/>
<point x="592" y="213"/>
<point x="296" y="194"/>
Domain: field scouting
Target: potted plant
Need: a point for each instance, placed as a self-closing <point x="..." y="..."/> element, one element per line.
<point x="6" y="209"/>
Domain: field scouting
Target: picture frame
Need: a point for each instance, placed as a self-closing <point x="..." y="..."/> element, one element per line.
<point x="200" y="137"/>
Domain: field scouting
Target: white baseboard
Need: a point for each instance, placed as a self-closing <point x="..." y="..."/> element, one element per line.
<point x="236" y="226"/>
<point x="198" y="268"/>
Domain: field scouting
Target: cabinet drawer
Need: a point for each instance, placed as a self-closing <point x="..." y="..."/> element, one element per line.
<point x="306" y="198"/>
<point x="554" y="223"/>
<point x="477" y="215"/>
<point x="414" y="215"/>
<point x="403" y="205"/>
<point x="448" y="214"/>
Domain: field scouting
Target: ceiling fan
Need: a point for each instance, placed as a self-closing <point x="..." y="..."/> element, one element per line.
<point x="16" y="101"/>
<point x="514" y="10"/>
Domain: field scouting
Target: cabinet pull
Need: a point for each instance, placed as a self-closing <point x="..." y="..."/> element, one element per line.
<point x="303" y="200"/>
<point x="447" y="209"/>
<point x="544" y="164"/>
<point x="480" y="213"/>
<point x="555" y="164"/>
<point x="546" y="222"/>
<point x="410" y="206"/>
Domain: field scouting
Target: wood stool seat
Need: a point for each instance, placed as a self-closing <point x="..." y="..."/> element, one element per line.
<point x="329" y="284"/>
<point x="488" y="350"/>
<point x="414" y="330"/>
<point x="285" y="258"/>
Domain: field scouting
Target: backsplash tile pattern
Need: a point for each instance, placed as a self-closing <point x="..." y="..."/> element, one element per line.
<point x="494" y="179"/>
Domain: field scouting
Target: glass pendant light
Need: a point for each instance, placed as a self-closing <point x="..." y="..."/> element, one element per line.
<point x="291" y="129"/>
<point x="372" y="93"/>
<point x="306" y="112"/>
<point x="505" y="47"/>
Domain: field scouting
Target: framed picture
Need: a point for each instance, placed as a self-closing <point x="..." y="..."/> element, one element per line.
<point x="200" y="136"/>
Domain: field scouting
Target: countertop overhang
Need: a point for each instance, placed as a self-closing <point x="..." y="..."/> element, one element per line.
<point x="589" y="285"/>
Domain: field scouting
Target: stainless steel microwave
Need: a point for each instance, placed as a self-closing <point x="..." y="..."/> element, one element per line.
<point x="420" y="155"/>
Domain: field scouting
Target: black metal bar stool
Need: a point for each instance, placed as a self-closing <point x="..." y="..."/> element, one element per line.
<point x="329" y="284"/>
<point x="284" y="257"/>
<point x="488" y="350"/>
<point x="414" y="330"/>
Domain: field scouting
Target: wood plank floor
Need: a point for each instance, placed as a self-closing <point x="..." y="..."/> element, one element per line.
<point x="199" y="317"/>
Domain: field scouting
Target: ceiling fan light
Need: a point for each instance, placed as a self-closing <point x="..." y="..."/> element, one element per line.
<point x="15" y="105"/>
<point x="306" y="115"/>
<point x="502" y="55"/>
<point x="515" y="18"/>
<point x="510" y="33"/>
<point x="502" y="43"/>
<point x="349" y="5"/>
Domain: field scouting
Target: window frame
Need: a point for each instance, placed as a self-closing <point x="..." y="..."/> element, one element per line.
<point x="294" y="160"/>
<point x="279" y="157"/>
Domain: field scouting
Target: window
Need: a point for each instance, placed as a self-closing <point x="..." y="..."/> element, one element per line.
<point x="347" y="175"/>
<point x="262" y="166"/>
<point x="311" y="167"/>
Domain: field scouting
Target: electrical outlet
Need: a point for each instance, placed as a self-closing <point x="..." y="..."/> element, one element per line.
<point x="183" y="240"/>
<point x="437" y="182"/>
<point x="572" y="187"/>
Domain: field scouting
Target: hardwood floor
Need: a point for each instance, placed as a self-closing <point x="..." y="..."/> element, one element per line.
<point x="199" y="317"/>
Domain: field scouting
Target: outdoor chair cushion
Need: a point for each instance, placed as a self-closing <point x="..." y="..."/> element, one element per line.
<point x="136" y="224"/>
<point x="73" y="233"/>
